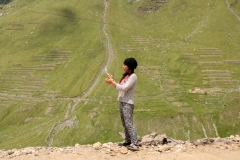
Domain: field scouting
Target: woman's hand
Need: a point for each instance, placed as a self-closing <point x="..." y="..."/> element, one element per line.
<point x="109" y="80"/>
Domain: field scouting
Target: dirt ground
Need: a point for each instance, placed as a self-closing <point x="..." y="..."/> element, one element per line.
<point x="89" y="153"/>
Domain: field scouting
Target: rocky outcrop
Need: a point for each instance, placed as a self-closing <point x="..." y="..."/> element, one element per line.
<point x="151" y="142"/>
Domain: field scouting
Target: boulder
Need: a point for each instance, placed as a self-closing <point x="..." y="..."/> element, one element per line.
<point x="97" y="146"/>
<point x="153" y="139"/>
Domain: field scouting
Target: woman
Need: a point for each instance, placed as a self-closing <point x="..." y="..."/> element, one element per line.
<point x="126" y="88"/>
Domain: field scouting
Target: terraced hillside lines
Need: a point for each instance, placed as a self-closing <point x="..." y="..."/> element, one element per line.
<point x="140" y="44"/>
<point x="22" y="87"/>
<point x="20" y="83"/>
<point x="15" y="27"/>
<point x="24" y="81"/>
<point x="170" y="89"/>
<point x="210" y="57"/>
<point x="128" y="48"/>
<point x="217" y="82"/>
<point x="234" y="62"/>
<point x="209" y="53"/>
<point x="213" y="77"/>
<point x="51" y="60"/>
<point x="151" y="6"/>
<point x="189" y="58"/>
<point x="218" y="77"/>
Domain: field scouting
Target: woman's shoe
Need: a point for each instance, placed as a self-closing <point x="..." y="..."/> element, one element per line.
<point x="124" y="144"/>
<point x="133" y="147"/>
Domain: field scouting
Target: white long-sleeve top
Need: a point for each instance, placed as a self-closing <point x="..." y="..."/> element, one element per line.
<point x="126" y="90"/>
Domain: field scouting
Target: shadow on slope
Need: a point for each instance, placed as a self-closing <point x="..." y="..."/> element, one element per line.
<point x="2" y="2"/>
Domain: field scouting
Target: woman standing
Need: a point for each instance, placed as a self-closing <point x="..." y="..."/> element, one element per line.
<point x="126" y="88"/>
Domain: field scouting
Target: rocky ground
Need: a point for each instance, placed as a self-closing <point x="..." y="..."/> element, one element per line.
<point x="153" y="146"/>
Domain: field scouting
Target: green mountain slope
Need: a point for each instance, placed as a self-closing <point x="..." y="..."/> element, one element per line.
<point x="52" y="89"/>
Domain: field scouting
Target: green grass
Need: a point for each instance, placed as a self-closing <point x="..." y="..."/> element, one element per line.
<point x="51" y="53"/>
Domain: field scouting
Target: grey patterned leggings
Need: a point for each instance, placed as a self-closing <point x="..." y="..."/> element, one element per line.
<point x="126" y="113"/>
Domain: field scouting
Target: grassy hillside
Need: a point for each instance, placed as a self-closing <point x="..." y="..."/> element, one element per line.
<point x="52" y="89"/>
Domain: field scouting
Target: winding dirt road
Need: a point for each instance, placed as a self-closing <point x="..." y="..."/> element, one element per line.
<point x="69" y="118"/>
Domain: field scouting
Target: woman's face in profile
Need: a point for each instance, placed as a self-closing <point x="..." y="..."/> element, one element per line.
<point x="125" y="68"/>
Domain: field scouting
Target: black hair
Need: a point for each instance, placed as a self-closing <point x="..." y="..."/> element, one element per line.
<point x="132" y="64"/>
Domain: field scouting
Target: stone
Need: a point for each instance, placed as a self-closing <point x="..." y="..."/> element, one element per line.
<point x="164" y="148"/>
<point x="237" y="138"/>
<point x="179" y="147"/>
<point x="107" y="151"/>
<point x="197" y="143"/>
<point x="10" y="152"/>
<point x="228" y="142"/>
<point x="113" y="153"/>
<point x="97" y="146"/>
<point x="111" y="148"/>
<point x="153" y="135"/>
<point x="124" y="151"/>
<point x="146" y="140"/>
<point x="110" y="143"/>
<point x="105" y="145"/>
<point x="235" y="146"/>
<point x="77" y="145"/>
<point x="218" y="139"/>
<point x="207" y="141"/>
<point x="159" y="139"/>
<point x="231" y="137"/>
<point x="17" y="153"/>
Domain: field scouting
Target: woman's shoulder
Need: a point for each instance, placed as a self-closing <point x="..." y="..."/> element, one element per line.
<point x="133" y="75"/>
